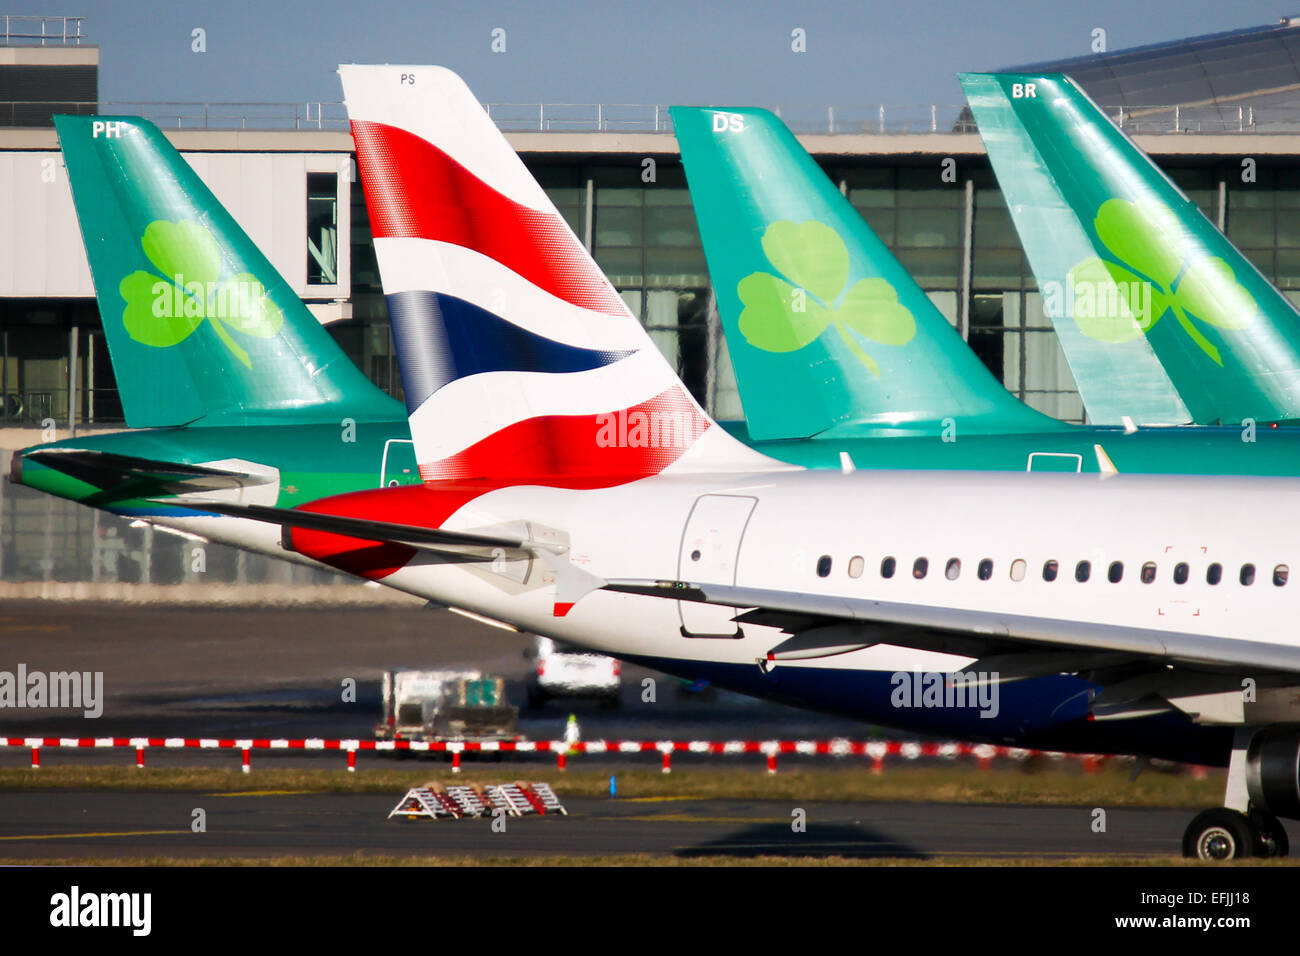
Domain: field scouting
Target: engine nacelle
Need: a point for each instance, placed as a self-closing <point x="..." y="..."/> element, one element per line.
<point x="1273" y="771"/>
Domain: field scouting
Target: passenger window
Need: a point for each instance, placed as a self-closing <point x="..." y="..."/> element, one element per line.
<point x="1082" y="571"/>
<point x="985" y="569"/>
<point x="1247" y="576"/>
<point x="1018" y="568"/>
<point x="1180" y="572"/>
<point x="1214" y="573"/>
<point x="1115" y="573"/>
<point x="887" y="567"/>
<point x="1148" y="575"/>
<point x="856" y="565"/>
<point x="1049" y="570"/>
<point x="953" y="571"/>
<point x="1280" y="575"/>
<point x="824" y="566"/>
<point x="919" y="567"/>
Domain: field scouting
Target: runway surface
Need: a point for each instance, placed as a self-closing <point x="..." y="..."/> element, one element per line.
<point x="278" y="672"/>
<point x="68" y="824"/>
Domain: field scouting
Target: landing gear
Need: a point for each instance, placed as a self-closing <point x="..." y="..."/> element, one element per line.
<point x="1226" y="834"/>
<point x="1242" y="827"/>
<point x="1221" y="834"/>
<point x="1272" y="835"/>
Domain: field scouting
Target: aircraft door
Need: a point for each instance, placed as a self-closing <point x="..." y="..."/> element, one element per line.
<point x="709" y="555"/>
<point x="398" y="466"/>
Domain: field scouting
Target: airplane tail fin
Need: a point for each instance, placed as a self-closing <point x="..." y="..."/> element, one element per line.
<point x="201" y="328"/>
<point x="1140" y="286"/>
<point x="518" y="357"/>
<point x="827" y="331"/>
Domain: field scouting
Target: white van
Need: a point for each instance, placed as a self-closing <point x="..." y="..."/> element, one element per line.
<point x="566" y="671"/>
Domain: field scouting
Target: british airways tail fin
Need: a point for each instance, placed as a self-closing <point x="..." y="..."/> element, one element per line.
<point x="519" y="359"/>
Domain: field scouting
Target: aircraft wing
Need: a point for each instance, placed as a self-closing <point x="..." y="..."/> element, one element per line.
<point x="976" y="632"/>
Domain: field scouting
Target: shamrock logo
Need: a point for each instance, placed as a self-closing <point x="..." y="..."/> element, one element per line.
<point x="784" y="316"/>
<point x="1115" y="301"/>
<point x="165" y="308"/>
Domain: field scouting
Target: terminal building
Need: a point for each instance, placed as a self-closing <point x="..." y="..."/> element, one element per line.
<point x="1201" y="107"/>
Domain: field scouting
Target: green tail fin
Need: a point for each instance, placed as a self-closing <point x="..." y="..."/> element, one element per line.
<point x="201" y="328"/>
<point x="827" y="332"/>
<point x="1141" y="287"/>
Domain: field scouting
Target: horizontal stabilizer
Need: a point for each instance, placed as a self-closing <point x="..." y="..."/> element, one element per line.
<point x="571" y="582"/>
<point x="410" y="535"/>
<point x="111" y="472"/>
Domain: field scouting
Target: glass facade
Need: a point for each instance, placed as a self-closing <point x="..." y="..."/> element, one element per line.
<point x="956" y="238"/>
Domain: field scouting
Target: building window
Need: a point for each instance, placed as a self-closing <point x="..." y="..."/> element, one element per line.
<point x="322" y="228"/>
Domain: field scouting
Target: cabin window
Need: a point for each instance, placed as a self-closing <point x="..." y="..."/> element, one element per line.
<point x="1148" y="575"/>
<point x="985" y="569"/>
<point x="1018" y="568"/>
<point x="953" y="570"/>
<point x="856" y="565"/>
<point x="1247" y="576"/>
<point x="1180" y="572"/>
<point x="1083" y="571"/>
<point x="824" y="566"/>
<point x="887" y="567"/>
<point x="1280" y="575"/>
<point x="1214" y="573"/>
<point x="919" y="567"/>
<point x="1049" y="570"/>
<point x="1115" y="573"/>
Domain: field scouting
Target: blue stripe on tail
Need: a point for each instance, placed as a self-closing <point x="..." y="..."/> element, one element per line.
<point x="441" y="338"/>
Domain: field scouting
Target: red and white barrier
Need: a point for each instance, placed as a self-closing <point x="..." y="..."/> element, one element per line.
<point x="877" y="751"/>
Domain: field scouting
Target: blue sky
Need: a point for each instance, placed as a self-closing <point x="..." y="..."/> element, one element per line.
<point x="677" y="51"/>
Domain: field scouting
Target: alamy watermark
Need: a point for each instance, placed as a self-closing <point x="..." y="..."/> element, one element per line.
<point x="638" y="429"/>
<point x="976" y="690"/>
<point x="78" y="690"/>
<point x="235" y="300"/>
<point x="1101" y="298"/>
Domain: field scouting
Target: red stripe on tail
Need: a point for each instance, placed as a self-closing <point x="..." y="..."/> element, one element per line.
<point x="415" y="190"/>
<point x="582" y="451"/>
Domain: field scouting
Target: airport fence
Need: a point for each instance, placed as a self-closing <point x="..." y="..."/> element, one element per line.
<point x="876" y="752"/>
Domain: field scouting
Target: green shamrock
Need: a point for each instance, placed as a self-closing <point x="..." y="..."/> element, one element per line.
<point x="783" y="317"/>
<point x="165" y="308"/>
<point x="1118" y="301"/>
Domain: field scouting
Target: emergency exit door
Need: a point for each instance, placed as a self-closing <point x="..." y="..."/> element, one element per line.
<point x="709" y="555"/>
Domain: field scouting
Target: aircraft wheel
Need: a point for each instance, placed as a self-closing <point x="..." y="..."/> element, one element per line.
<point x="1221" y="834"/>
<point x="1273" y="840"/>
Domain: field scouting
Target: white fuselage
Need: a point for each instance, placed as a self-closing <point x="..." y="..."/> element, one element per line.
<point x="639" y="530"/>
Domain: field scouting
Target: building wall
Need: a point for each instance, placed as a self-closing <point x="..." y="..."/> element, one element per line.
<point x="42" y="255"/>
<point x="955" y="237"/>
